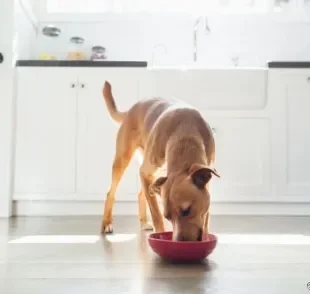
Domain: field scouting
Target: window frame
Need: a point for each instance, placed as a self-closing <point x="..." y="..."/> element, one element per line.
<point x="298" y="14"/>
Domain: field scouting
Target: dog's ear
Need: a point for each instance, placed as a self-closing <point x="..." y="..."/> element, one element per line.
<point x="201" y="175"/>
<point x="155" y="187"/>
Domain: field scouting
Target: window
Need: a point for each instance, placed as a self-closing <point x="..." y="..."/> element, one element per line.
<point x="284" y="5"/>
<point x="102" y="6"/>
<point x="190" y="6"/>
<point x="77" y="6"/>
<point x="306" y="4"/>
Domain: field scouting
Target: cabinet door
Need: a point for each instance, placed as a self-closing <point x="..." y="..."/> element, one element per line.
<point x="242" y="159"/>
<point x="97" y="133"/>
<point x="45" y="133"/>
<point x="297" y="137"/>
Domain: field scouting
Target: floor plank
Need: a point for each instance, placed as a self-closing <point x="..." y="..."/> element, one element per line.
<point x="67" y="255"/>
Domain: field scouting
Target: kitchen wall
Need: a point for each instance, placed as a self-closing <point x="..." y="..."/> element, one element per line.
<point x="6" y="104"/>
<point x="25" y="29"/>
<point x="168" y="40"/>
<point x="17" y="38"/>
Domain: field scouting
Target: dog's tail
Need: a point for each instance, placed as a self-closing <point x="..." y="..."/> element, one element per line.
<point x="118" y="116"/>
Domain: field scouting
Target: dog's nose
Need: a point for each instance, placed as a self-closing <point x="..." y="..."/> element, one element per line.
<point x="200" y="234"/>
<point x="185" y="238"/>
<point x="181" y="238"/>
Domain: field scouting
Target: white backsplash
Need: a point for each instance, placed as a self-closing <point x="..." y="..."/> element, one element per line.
<point x="168" y="40"/>
<point x="25" y="34"/>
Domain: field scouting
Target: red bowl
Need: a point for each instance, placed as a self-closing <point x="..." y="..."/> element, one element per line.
<point x="177" y="251"/>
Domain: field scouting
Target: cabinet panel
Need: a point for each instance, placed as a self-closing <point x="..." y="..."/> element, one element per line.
<point x="97" y="134"/>
<point x="45" y="133"/>
<point x="210" y="89"/>
<point x="297" y="102"/>
<point x="242" y="159"/>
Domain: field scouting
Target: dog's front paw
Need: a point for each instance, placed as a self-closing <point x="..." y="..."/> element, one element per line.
<point x="106" y="228"/>
<point x="147" y="227"/>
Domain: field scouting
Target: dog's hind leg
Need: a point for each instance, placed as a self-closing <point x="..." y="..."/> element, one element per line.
<point x="125" y="148"/>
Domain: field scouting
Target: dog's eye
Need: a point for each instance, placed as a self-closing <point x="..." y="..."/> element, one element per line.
<point x="185" y="212"/>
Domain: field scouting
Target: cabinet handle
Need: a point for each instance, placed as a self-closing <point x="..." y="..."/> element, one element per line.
<point x="82" y="86"/>
<point x="308" y="79"/>
<point x="72" y="85"/>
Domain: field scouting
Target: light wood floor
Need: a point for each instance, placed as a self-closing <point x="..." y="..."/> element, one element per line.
<point x="66" y="255"/>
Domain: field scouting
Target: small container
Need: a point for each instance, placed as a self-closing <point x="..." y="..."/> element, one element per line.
<point x="76" y="49"/>
<point x="98" y="53"/>
<point x="50" y="33"/>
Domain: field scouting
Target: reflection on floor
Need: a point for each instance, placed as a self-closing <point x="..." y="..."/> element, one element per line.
<point x="66" y="255"/>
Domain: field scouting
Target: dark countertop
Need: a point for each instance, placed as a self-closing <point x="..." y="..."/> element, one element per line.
<point x="81" y="63"/>
<point x="289" y="64"/>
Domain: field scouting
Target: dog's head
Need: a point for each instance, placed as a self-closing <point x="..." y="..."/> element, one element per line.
<point x="186" y="200"/>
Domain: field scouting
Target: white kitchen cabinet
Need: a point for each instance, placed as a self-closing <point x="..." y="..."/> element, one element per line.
<point x="243" y="145"/>
<point x="65" y="138"/>
<point x="96" y="136"/>
<point x="242" y="159"/>
<point x="45" y="133"/>
<point x="295" y="180"/>
<point x="210" y="89"/>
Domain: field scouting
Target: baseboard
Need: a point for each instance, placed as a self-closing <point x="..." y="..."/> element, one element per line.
<point x="65" y="208"/>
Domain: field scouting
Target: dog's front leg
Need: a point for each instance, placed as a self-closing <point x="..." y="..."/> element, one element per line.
<point x="146" y="180"/>
<point x="143" y="212"/>
<point x="207" y="223"/>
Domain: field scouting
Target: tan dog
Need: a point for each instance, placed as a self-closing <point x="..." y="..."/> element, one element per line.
<point x="171" y="133"/>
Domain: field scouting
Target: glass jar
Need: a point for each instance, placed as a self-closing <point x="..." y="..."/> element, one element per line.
<point x="283" y="5"/>
<point x="76" y="49"/>
<point x="50" y="34"/>
<point x="98" y="53"/>
<point x="306" y="4"/>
